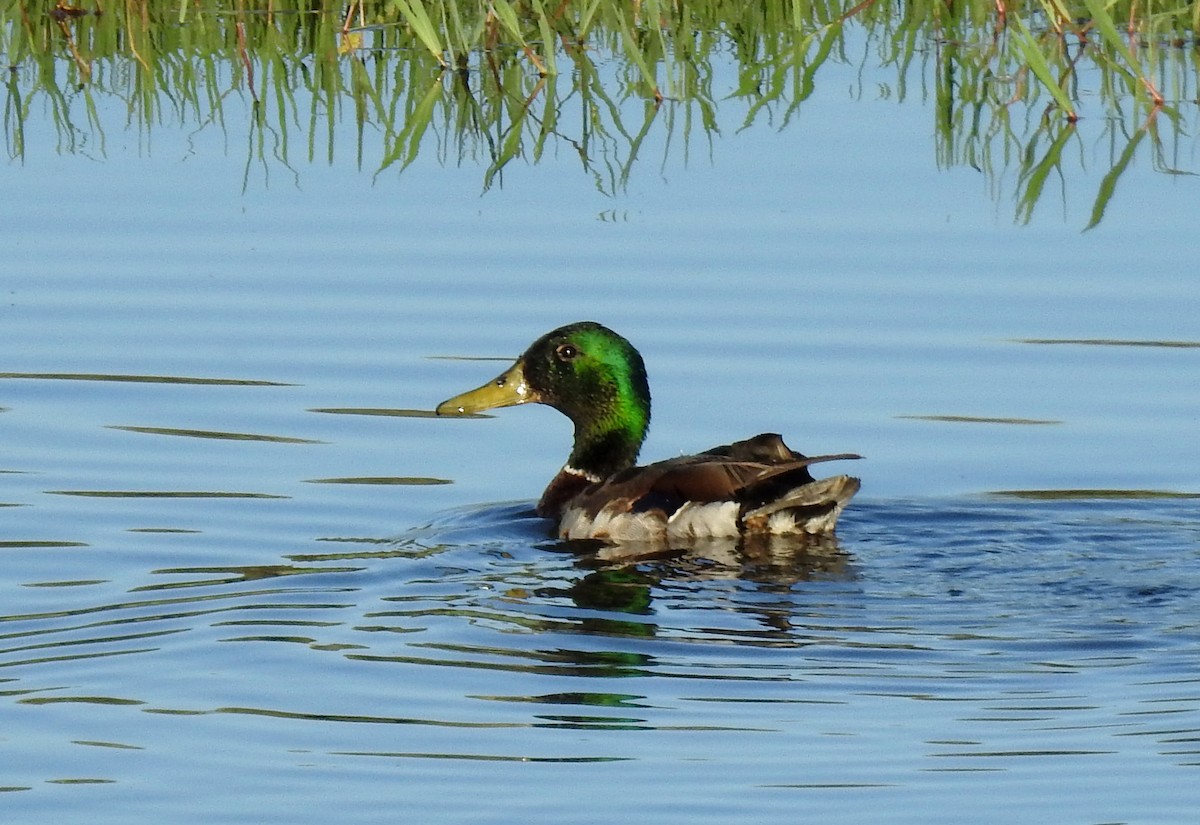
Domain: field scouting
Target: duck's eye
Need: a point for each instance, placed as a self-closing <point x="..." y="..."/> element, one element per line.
<point x="566" y="352"/>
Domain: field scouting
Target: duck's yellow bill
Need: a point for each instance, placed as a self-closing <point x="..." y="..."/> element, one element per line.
<point x="506" y="390"/>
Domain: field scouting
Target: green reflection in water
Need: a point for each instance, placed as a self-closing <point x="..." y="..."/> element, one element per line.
<point x="487" y="83"/>
<point x="69" y="583"/>
<point x="480" y="757"/>
<point x="364" y="719"/>
<point x="384" y="411"/>
<point x="1111" y="342"/>
<point x="602" y="700"/>
<point x="222" y="576"/>
<point x="558" y="662"/>
<point x="403" y="480"/>
<point x="213" y="434"/>
<point x="167" y="530"/>
<point x="978" y="419"/>
<point x="83" y="700"/>
<point x="114" y="745"/>
<point x="161" y="494"/>
<point x="1059" y="495"/>
<point x="142" y="379"/>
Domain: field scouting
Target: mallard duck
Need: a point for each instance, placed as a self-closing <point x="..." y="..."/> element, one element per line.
<point x="598" y="380"/>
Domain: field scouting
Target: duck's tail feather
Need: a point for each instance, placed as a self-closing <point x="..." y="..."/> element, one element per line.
<point x="811" y="508"/>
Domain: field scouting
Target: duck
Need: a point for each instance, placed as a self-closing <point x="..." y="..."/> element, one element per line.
<point x="754" y="487"/>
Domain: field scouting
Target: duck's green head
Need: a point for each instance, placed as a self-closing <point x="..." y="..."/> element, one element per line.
<point x="590" y="374"/>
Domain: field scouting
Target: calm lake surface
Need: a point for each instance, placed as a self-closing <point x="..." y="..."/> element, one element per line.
<point x="245" y="581"/>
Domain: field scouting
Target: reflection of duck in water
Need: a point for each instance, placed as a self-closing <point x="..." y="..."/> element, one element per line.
<point x="756" y="487"/>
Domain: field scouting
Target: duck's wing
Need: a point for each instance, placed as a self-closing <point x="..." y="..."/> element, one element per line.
<point x="767" y="448"/>
<point x="751" y="473"/>
<point x="752" y="486"/>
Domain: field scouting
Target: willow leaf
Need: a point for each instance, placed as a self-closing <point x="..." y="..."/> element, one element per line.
<point x="418" y="19"/>
<point x="1109" y="185"/>
<point x="1027" y="45"/>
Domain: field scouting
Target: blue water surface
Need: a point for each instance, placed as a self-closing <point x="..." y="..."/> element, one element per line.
<point x="246" y="600"/>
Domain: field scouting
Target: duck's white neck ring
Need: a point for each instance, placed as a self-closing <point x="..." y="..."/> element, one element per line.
<point x="584" y="474"/>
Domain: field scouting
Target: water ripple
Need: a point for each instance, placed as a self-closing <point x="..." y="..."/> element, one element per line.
<point x="934" y="640"/>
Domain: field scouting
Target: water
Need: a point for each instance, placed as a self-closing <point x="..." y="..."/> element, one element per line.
<point x="245" y="598"/>
<point x="1043" y="654"/>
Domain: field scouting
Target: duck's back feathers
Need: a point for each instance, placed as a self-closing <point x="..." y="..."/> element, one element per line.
<point x="758" y="486"/>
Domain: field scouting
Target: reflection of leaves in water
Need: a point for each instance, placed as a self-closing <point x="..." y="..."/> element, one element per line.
<point x="213" y="434"/>
<point x="390" y="412"/>
<point x="625" y="591"/>
<point x="70" y="583"/>
<point x="162" y="494"/>
<point x="1035" y="172"/>
<point x="1058" y="495"/>
<point x="978" y="419"/>
<point x="1111" y="342"/>
<point x="407" y="551"/>
<point x="115" y="745"/>
<point x="168" y="530"/>
<point x="482" y="757"/>
<point x="220" y="576"/>
<point x="587" y="699"/>
<point x="80" y="700"/>
<point x="143" y="379"/>
<point x="492" y="84"/>
<point x="403" y="480"/>
<point x="1109" y="184"/>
